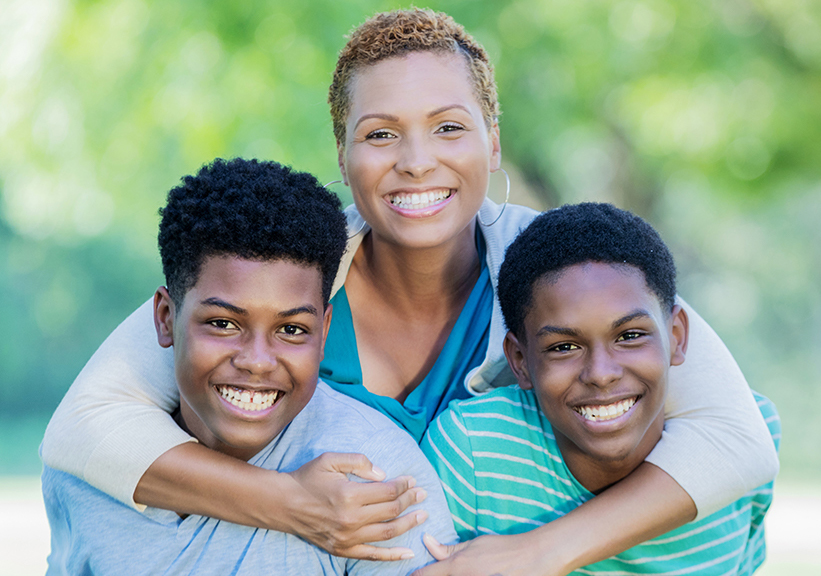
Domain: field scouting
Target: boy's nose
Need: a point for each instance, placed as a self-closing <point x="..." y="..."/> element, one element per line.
<point x="601" y="368"/>
<point x="256" y="355"/>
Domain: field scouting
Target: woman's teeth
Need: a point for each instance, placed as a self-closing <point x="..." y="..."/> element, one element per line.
<point x="247" y="400"/>
<point x="419" y="200"/>
<point x="605" y="412"/>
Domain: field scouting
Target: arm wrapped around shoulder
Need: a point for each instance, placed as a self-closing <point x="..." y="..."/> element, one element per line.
<point x="715" y="444"/>
<point x="114" y="420"/>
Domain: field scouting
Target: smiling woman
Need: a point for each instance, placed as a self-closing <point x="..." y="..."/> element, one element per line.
<point x="416" y="325"/>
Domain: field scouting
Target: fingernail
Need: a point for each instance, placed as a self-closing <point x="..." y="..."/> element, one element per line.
<point x="421" y="494"/>
<point x="421" y="516"/>
<point x="406" y="556"/>
<point x="411" y="482"/>
<point x="378" y="471"/>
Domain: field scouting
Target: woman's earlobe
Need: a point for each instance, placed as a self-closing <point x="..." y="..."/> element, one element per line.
<point x="340" y="159"/>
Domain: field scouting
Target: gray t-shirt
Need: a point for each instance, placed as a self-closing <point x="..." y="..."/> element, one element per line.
<point x="93" y="533"/>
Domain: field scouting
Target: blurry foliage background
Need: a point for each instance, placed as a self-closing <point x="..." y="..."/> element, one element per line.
<point x="702" y="115"/>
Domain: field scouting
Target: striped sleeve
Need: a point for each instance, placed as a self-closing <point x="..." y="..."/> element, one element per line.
<point x="447" y="446"/>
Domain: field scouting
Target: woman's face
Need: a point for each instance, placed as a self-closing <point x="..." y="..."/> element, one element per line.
<point x="417" y="153"/>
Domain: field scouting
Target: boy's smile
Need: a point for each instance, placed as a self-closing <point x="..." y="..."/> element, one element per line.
<point x="248" y="340"/>
<point x="597" y="348"/>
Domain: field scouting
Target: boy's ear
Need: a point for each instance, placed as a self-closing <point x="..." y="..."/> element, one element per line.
<point x="340" y="159"/>
<point x="679" y="335"/>
<point x="164" y="317"/>
<point x="326" y="325"/>
<point x="515" y="354"/>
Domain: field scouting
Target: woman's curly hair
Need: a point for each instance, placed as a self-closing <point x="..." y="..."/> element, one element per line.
<point x="400" y="32"/>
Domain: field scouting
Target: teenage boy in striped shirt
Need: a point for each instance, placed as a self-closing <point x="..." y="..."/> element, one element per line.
<point x="588" y="295"/>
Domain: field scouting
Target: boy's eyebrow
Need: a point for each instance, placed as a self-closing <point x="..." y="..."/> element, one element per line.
<point x="638" y="313"/>
<point x="548" y="329"/>
<point x="220" y="303"/>
<point x="307" y="309"/>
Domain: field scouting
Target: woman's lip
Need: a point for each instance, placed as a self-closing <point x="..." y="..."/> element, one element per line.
<point x="419" y="203"/>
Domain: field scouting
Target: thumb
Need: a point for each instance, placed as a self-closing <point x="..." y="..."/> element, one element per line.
<point x="441" y="551"/>
<point x="356" y="464"/>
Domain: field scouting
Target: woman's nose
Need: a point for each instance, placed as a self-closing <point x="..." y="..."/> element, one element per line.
<point x="416" y="156"/>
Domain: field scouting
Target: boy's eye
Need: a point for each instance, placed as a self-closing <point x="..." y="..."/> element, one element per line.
<point x="563" y="347"/>
<point x="632" y="335"/>
<point x="291" y="330"/>
<point x="222" y="324"/>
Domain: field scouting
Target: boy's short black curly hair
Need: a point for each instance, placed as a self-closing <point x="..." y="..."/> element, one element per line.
<point x="254" y="210"/>
<point x="575" y="234"/>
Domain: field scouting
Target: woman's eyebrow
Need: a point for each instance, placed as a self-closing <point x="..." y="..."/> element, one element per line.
<point x="446" y="108"/>
<point x="379" y="115"/>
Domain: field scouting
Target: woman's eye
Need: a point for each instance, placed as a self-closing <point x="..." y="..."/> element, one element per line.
<point x="291" y="330"/>
<point x="380" y="135"/>
<point x="450" y="127"/>
<point x="222" y="324"/>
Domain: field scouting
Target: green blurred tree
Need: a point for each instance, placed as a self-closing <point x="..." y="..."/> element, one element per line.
<point x="701" y="115"/>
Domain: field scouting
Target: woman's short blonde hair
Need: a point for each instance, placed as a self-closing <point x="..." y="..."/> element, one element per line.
<point x="400" y="32"/>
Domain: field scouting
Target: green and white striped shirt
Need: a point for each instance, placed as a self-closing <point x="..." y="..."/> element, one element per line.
<point x="504" y="474"/>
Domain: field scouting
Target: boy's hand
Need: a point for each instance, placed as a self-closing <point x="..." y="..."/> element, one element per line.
<point x="341" y="516"/>
<point x="489" y="556"/>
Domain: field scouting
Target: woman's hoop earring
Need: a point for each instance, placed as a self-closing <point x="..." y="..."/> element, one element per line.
<point x="504" y="205"/>
<point x="363" y="221"/>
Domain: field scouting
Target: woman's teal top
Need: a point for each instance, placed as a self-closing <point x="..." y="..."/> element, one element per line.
<point x="464" y="349"/>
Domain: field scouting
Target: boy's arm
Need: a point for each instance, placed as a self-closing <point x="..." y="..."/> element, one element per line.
<point x="715" y="444"/>
<point x="113" y="430"/>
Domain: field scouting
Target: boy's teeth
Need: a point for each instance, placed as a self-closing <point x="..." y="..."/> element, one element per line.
<point x="419" y="199"/>
<point x="246" y="400"/>
<point x="608" y="412"/>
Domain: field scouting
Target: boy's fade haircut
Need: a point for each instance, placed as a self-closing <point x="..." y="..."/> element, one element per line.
<point x="399" y="33"/>
<point x="253" y="210"/>
<point x="575" y="234"/>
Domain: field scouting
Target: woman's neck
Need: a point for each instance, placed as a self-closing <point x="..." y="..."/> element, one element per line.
<point x="420" y="279"/>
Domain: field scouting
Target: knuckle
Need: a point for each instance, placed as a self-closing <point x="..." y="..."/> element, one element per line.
<point x="388" y="531"/>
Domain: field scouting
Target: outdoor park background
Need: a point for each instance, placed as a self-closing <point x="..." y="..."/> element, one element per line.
<point x="704" y="116"/>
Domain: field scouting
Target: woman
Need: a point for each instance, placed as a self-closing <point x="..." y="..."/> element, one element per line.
<point x="415" y="324"/>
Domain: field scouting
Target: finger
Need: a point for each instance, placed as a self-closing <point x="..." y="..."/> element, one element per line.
<point x="437" y="550"/>
<point x="356" y="464"/>
<point x="398" y="492"/>
<point x="381" y="531"/>
<point x="376" y="553"/>
<point x="385" y="511"/>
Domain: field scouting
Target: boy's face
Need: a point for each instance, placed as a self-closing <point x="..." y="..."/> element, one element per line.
<point x="597" y="350"/>
<point x="248" y="340"/>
